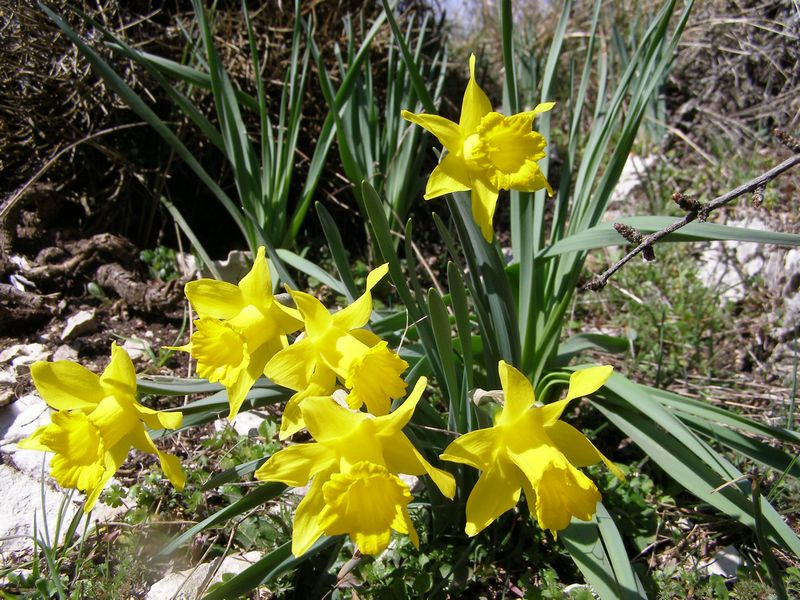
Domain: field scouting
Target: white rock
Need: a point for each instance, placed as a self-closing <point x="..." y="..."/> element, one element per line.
<point x="135" y="348"/>
<point x="631" y="177"/>
<point x="24" y="354"/>
<point x="245" y="423"/>
<point x="18" y="420"/>
<point x="724" y="562"/>
<point x="233" y="268"/>
<point x="23" y="503"/>
<point x="65" y="352"/>
<point x="81" y="323"/>
<point x="191" y="583"/>
<point x="8" y="376"/>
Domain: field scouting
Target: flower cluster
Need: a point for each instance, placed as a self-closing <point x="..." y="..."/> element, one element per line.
<point x="359" y="450"/>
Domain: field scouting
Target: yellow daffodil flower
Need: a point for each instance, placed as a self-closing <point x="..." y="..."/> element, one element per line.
<point x="486" y="152"/>
<point x="530" y="448"/>
<point x="97" y="421"/>
<point x="334" y="346"/>
<point x="240" y="327"/>
<point x="354" y="465"/>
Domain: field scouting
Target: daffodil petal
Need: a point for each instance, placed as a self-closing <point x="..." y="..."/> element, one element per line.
<point x="214" y="299"/>
<point x="34" y="440"/>
<point x="113" y="461"/>
<point x="477" y="448"/>
<point x="316" y="317"/>
<point x="363" y="503"/>
<point x="157" y="419"/>
<point x="588" y="381"/>
<point x="578" y="449"/>
<point x="517" y="393"/>
<point x="484" y="201"/>
<point x="295" y="465"/>
<point x="496" y="492"/>
<point x="450" y="175"/>
<point x="447" y="132"/>
<point x="293" y="366"/>
<point x="402" y="457"/>
<point x="120" y="374"/>
<point x="400" y="417"/>
<point x="115" y="419"/>
<point x="322" y="383"/>
<point x="357" y="314"/>
<point x="306" y="526"/>
<point x="256" y="286"/>
<point x="564" y="493"/>
<point x="475" y="104"/>
<point x="327" y="421"/>
<point x="170" y="464"/>
<point x="66" y="385"/>
<point x="249" y="375"/>
<point x="540" y="108"/>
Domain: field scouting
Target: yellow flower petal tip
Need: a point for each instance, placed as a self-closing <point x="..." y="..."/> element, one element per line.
<point x="486" y="152"/>
<point x="529" y="449"/>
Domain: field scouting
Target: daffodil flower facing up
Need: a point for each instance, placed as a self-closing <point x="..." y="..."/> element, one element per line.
<point x="97" y="421"/>
<point x="240" y="327"/>
<point x="354" y="466"/>
<point x="334" y="346"/>
<point x="530" y="448"/>
<point x="486" y="152"/>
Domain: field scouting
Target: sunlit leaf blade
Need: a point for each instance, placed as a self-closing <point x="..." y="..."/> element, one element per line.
<point x="582" y="342"/>
<point x="276" y="563"/>
<point x="610" y="576"/>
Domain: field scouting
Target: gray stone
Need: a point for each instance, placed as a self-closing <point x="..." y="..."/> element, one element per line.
<point x="79" y="324"/>
<point x="24" y="354"/>
<point x="191" y="583"/>
<point x="65" y="352"/>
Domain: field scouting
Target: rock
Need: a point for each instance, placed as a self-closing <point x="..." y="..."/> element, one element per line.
<point x="136" y="348"/>
<point x="245" y="423"/>
<point x="18" y="420"/>
<point x="79" y="324"/>
<point x="232" y="269"/>
<point x="24" y="354"/>
<point x="725" y="562"/>
<point x="23" y="501"/>
<point x="191" y="583"/>
<point x="65" y="352"/>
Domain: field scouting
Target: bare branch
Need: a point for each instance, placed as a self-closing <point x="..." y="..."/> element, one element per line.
<point x="696" y="211"/>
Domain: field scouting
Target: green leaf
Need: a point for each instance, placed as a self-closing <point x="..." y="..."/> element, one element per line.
<point x="268" y="568"/>
<point x="582" y="342"/>
<point x="597" y="549"/>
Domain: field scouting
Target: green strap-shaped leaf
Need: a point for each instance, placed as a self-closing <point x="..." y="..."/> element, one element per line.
<point x="597" y="549"/>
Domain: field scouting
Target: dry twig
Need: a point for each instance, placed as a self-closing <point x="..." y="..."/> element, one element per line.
<point x="696" y="210"/>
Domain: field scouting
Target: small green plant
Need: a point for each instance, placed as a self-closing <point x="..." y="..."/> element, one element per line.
<point x="162" y="263"/>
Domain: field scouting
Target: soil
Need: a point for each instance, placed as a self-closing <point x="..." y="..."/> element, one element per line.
<point x="56" y="272"/>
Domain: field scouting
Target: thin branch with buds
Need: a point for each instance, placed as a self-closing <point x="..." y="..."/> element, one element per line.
<point x="695" y="211"/>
